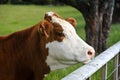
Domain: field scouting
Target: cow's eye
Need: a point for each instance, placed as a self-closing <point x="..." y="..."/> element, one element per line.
<point x="60" y="34"/>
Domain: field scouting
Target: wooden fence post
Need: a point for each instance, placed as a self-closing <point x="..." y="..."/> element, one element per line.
<point x="104" y="72"/>
<point x="119" y="68"/>
<point x="116" y="63"/>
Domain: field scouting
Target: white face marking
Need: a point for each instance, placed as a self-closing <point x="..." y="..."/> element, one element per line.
<point x="70" y="51"/>
<point x="50" y="13"/>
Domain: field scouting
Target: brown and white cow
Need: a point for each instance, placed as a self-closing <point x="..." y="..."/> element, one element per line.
<point x="49" y="45"/>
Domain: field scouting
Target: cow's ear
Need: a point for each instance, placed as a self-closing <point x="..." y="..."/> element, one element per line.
<point x="45" y="27"/>
<point x="72" y="21"/>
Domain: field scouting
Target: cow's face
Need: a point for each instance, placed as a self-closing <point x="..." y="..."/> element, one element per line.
<point x="66" y="47"/>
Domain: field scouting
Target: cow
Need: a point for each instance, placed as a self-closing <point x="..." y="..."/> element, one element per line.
<point x="51" y="44"/>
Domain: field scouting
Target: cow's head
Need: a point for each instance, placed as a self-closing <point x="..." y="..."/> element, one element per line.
<point x="65" y="47"/>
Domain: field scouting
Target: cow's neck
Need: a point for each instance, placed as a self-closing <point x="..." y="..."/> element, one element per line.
<point x="36" y="45"/>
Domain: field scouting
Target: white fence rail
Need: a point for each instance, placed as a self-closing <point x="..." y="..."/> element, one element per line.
<point x="98" y="62"/>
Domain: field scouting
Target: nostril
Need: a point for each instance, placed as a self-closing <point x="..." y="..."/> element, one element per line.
<point x="90" y="53"/>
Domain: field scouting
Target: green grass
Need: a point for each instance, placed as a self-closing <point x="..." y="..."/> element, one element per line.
<point x="114" y="35"/>
<point x="18" y="17"/>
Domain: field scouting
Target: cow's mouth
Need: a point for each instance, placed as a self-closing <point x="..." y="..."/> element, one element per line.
<point x="86" y="61"/>
<point x="69" y="62"/>
<point x="72" y="62"/>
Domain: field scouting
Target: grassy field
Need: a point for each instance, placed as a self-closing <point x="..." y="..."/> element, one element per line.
<point x="18" y="17"/>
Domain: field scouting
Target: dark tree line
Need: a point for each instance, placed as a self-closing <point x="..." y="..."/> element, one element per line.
<point x="39" y="2"/>
<point x="3" y="1"/>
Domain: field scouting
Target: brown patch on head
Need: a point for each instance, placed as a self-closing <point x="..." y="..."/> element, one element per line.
<point x="58" y="32"/>
<point x="52" y="31"/>
<point x="57" y="29"/>
<point x="72" y="21"/>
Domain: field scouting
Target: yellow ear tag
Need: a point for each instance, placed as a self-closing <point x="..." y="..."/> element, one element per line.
<point x="40" y="30"/>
